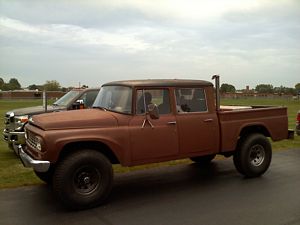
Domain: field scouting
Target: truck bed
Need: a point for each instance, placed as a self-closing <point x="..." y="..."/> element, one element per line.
<point x="234" y="120"/>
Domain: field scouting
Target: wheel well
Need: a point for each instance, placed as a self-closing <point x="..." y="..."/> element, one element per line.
<point x="259" y="129"/>
<point x="99" y="146"/>
<point x="254" y="129"/>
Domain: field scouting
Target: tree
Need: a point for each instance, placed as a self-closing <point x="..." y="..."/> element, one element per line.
<point x="52" y="85"/>
<point x="14" y="84"/>
<point x="264" y="88"/>
<point x="227" y="88"/>
<point x="32" y="87"/>
<point x="297" y="87"/>
<point x="284" y="90"/>
<point x="1" y="83"/>
<point x="64" y="89"/>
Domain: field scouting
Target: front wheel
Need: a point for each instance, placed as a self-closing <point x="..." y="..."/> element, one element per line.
<point x="83" y="179"/>
<point x="253" y="156"/>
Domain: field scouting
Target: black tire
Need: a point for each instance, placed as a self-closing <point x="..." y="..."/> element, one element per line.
<point x="45" y="176"/>
<point x="237" y="156"/>
<point x="204" y="160"/>
<point x="83" y="179"/>
<point x="253" y="156"/>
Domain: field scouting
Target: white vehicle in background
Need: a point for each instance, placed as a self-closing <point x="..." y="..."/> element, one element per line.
<point x="16" y="119"/>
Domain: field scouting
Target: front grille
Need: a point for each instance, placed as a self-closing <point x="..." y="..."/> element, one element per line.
<point x="31" y="139"/>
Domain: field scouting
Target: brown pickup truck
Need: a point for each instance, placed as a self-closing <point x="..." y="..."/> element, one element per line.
<point x="145" y="121"/>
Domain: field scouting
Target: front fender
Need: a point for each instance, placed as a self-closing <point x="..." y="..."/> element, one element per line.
<point x="117" y="143"/>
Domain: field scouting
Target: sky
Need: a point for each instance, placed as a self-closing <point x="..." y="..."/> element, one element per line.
<point x="92" y="42"/>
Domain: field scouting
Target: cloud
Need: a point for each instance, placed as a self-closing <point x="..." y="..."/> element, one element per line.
<point x="64" y="34"/>
<point x="127" y="39"/>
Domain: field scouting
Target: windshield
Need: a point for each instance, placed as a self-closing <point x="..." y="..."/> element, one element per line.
<point x="114" y="98"/>
<point x="67" y="98"/>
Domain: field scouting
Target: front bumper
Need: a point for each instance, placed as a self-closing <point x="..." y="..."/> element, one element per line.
<point x="14" y="137"/>
<point x="37" y="165"/>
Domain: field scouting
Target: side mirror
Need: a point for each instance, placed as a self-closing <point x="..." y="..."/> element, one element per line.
<point x="153" y="111"/>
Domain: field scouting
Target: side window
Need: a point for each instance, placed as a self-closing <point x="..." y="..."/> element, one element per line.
<point x="160" y="97"/>
<point x="89" y="98"/>
<point x="190" y="100"/>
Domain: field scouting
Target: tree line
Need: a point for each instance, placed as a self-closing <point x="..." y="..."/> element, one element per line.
<point x="263" y="89"/>
<point x="53" y="85"/>
<point x="49" y="85"/>
<point x="13" y="84"/>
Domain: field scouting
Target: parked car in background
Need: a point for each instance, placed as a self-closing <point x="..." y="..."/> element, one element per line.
<point x="298" y="123"/>
<point x="16" y="119"/>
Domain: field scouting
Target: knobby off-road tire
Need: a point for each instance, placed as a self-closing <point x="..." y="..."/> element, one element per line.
<point x="253" y="156"/>
<point x="83" y="179"/>
<point x="203" y="160"/>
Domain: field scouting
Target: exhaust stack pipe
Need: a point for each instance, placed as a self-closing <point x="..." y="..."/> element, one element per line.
<point x="45" y="100"/>
<point x="216" y="77"/>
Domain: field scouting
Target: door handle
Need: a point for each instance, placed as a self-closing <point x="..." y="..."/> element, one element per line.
<point x="208" y="120"/>
<point x="172" y="122"/>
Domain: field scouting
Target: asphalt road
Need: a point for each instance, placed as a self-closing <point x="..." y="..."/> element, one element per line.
<point x="182" y="194"/>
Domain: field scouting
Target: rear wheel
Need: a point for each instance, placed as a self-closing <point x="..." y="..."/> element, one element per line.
<point x="83" y="179"/>
<point x="253" y="156"/>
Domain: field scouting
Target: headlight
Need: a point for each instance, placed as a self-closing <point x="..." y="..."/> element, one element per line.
<point x="20" y="121"/>
<point x="34" y="141"/>
<point x="39" y="144"/>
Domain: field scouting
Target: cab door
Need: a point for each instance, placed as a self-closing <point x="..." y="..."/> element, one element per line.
<point x="197" y="124"/>
<point x="153" y="139"/>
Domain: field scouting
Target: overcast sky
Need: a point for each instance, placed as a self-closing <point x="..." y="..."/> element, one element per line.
<point x="247" y="42"/>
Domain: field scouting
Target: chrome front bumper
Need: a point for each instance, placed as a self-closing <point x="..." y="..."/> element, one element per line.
<point x="14" y="137"/>
<point x="37" y="165"/>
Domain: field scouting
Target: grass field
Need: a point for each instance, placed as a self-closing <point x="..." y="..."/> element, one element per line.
<point x="13" y="174"/>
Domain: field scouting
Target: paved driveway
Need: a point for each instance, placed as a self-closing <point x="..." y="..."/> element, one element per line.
<point x="182" y="194"/>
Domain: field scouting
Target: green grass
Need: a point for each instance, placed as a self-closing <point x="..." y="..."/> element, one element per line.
<point x="13" y="174"/>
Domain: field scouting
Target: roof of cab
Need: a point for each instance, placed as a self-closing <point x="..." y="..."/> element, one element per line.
<point x="160" y="83"/>
<point x="85" y="89"/>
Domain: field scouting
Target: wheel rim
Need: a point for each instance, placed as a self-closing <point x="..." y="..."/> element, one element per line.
<point x="86" y="180"/>
<point x="257" y="155"/>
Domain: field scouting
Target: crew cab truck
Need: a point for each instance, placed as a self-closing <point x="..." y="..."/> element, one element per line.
<point x="16" y="119"/>
<point x="146" y="121"/>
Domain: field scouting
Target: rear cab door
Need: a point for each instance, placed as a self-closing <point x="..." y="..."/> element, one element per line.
<point x="197" y="121"/>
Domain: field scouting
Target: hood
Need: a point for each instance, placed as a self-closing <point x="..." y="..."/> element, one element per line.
<point x="86" y="118"/>
<point x="35" y="110"/>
